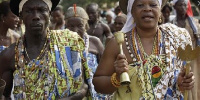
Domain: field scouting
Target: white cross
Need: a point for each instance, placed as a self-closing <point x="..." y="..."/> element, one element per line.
<point x="198" y="3"/>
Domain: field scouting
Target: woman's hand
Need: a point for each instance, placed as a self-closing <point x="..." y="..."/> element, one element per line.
<point x="120" y="65"/>
<point x="185" y="82"/>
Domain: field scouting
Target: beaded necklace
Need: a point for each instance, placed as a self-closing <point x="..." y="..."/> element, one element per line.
<point x="41" y="52"/>
<point x="40" y="63"/>
<point x="147" y="78"/>
<point x="138" y="49"/>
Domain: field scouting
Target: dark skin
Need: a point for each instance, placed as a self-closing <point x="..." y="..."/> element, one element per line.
<point x="181" y="9"/>
<point x="77" y="24"/>
<point x="119" y="23"/>
<point x="108" y="19"/>
<point x="7" y="21"/>
<point x="97" y="28"/>
<point x="117" y="10"/>
<point x="35" y="15"/>
<point x="166" y="14"/>
<point x="112" y="28"/>
<point x="112" y="61"/>
<point x="57" y="19"/>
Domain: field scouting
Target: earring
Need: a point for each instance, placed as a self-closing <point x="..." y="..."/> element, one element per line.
<point x="133" y="21"/>
<point x="160" y="20"/>
<point x="3" y="21"/>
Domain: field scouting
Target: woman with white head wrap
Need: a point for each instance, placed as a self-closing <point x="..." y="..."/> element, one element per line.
<point x="149" y="57"/>
<point x="129" y="23"/>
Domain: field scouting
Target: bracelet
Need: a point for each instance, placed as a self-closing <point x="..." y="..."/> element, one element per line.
<point x="114" y="80"/>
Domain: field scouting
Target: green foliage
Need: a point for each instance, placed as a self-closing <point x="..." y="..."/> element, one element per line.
<point x="84" y="3"/>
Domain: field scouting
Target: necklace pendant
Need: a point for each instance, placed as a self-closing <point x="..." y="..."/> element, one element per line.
<point x="21" y="62"/>
<point x="156" y="75"/>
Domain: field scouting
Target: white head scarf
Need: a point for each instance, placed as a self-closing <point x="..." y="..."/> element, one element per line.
<point x="129" y="22"/>
<point x="21" y="4"/>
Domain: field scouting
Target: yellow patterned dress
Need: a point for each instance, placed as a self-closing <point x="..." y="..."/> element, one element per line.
<point x="59" y="73"/>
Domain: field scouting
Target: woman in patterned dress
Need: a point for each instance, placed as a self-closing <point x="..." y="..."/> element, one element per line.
<point x="150" y="57"/>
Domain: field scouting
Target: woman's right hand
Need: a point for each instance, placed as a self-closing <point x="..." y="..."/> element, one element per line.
<point x="120" y="65"/>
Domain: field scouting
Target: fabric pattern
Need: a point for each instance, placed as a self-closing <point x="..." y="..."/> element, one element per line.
<point x="165" y="88"/>
<point x="57" y="74"/>
<point x="92" y="62"/>
<point x="193" y="27"/>
<point x="2" y="48"/>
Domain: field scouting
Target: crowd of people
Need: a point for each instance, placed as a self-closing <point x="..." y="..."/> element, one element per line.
<point x="48" y="52"/>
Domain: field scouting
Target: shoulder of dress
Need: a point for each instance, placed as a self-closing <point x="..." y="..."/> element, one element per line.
<point x="176" y="34"/>
<point x="65" y="33"/>
<point x="68" y="38"/>
<point x="173" y="30"/>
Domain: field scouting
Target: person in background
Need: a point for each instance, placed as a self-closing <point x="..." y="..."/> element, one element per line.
<point x="149" y="57"/>
<point x="57" y="19"/>
<point x="166" y="10"/>
<point x="45" y="64"/>
<point x="97" y="28"/>
<point x="20" y="29"/>
<point x="110" y="16"/>
<point x="77" y="21"/>
<point x="8" y="22"/>
<point x="117" y="10"/>
<point x="184" y="19"/>
<point x="119" y="22"/>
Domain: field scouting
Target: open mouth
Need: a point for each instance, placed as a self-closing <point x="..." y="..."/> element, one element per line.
<point x="147" y="18"/>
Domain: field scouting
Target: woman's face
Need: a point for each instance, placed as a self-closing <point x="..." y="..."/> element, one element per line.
<point x="146" y="13"/>
<point x="11" y="20"/>
<point x="76" y="24"/>
<point x="166" y="13"/>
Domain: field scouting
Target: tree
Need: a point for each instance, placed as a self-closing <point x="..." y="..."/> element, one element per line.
<point x="84" y="3"/>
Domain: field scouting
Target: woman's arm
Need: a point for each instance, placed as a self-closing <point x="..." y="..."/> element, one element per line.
<point x="7" y="67"/>
<point x="110" y="62"/>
